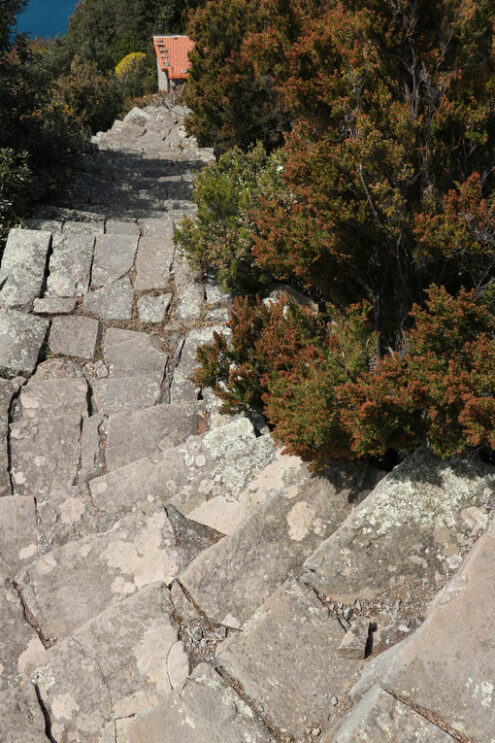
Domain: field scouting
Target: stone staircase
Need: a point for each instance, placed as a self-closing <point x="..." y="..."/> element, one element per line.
<point x="168" y="575"/>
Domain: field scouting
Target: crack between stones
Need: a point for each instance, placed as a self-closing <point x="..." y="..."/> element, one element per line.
<point x="10" y="421"/>
<point x="47" y="642"/>
<point x="45" y="713"/>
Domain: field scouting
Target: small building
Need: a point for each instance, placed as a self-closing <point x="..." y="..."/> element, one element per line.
<point x="172" y="56"/>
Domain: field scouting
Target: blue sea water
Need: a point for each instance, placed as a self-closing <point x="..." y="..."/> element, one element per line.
<point x="45" y="18"/>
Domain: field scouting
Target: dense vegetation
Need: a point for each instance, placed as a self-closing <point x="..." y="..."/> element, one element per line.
<point x="382" y="211"/>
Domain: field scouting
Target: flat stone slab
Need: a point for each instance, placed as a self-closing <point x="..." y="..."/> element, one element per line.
<point x="182" y="387"/>
<point x="112" y="302"/>
<point x="54" y="306"/>
<point x="121" y="227"/>
<point x="447" y="666"/>
<point x="119" y="394"/>
<point x="153" y="263"/>
<point x="205" y="710"/>
<point x="380" y="718"/>
<point x="8" y="388"/>
<point x="414" y="528"/>
<point x="74" y="336"/>
<point x="70" y="265"/>
<point x="201" y="467"/>
<point x="113" y="258"/>
<point x="23" y="268"/>
<point x="44" y="453"/>
<point x="133" y="645"/>
<point x="229" y="581"/>
<point x="286" y="660"/>
<point x="72" y="584"/>
<point x="53" y="397"/>
<point x="21" y="338"/>
<point x="153" y="309"/>
<point x="128" y="352"/>
<point x="65" y="515"/>
<point x="147" y="432"/>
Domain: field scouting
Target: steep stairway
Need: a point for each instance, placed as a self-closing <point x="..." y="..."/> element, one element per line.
<point x="167" y="574"/>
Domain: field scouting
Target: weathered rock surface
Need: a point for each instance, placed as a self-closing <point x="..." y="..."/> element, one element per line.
<point x="70" y="265"/>
<point x="70" y="585"/>
<point x="112" y="302"/>
<point x="380" y="718"/>
<point x="447" y="666"/>
<point x="286" y="660"/>
<point x="146" y="432"/>
<point x="205" y="710"/>
<point x="153" y="309"/>
<point x="47" y="398"/>
<point x="21" y="339"/>
<point x="118" y="394"/>
<point x="22" y="718"/>
<point x="112" y="668"/>
<point x="64" y="515"/>
<point x="414" y="529"/>
<point x="113" y="258"/>
<point x="74" y="336"/>
<point x="45" y="453"/>
<point x="122" y="227"/>
<point x="23" y="268"/>
<point x="54" y="306"/>
<point x="18" y="541"/>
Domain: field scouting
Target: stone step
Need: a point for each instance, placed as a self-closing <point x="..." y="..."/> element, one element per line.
<point x="222" y="462"/>
<point x="23" y="267"/>
<point x="447" y="667"/>
<point x="48" y="398"/>
<point x="401" y="545"/>
<point x="113" y="258"/>
<point x="154" y="261"/>
<point x="115" y="301"/>
<point x="65" y="588"/>
<point x="182" y="387"/>
<point x="74" y="336"/>
<point x="231" y="579"/>
<point x="128" y="353"/>
<point x="69" y="270"/>
<point x="205" y="710"/>
<point x="21" y="339"/>
<point x="287" y="661"/>
<point x="120" y="664"/>
<point x="121" y="394"/>
<point x="147" y="432"/>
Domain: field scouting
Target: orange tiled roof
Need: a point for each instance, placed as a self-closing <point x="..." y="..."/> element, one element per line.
<point x="172" y="53"/>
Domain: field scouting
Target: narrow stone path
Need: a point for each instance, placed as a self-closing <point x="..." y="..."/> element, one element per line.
<point x="168" y="575"/>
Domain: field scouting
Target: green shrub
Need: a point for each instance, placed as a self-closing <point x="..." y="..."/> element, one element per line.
<point x="221" y="235"/>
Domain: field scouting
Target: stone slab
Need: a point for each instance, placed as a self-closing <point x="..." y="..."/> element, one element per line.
<point x="70" y="265"/>
<point x="142" y="433"/>
<point x="205" y="710"/>
<point x="414" y="529"/>
<point x="45" y="453"/>
<point x="128" y="353"/>
<point x="49" y="225"/>
<point x="112" y="302"/>
<point x="229" y="581"/>
<point x="153" y="263"/>
<point x="447" y="666"/>
<point x="72" y="584"/>
<point x="153" y="309"/>
<point x="132" y="644"/>
<point x="286" y="660"/>
<point x="22" y="271"/>
<point x="54" y="306"/>
<point x="74" y="227"/>
<point x="18" y="542"/>
<point x="380" y="718"/>
<point x="21" y="339"/>
<point x="65" y="515"/>
<point x="74" y="336"/>
<point x="113" y="258"/>
<point x="121" y="227"/>
<point x="119" y="394"/>
<point x="53" y="397"/>
<point x="190" y="303"/>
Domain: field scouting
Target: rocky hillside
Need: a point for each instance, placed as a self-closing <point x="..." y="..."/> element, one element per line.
<point x="168" y="575"/>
